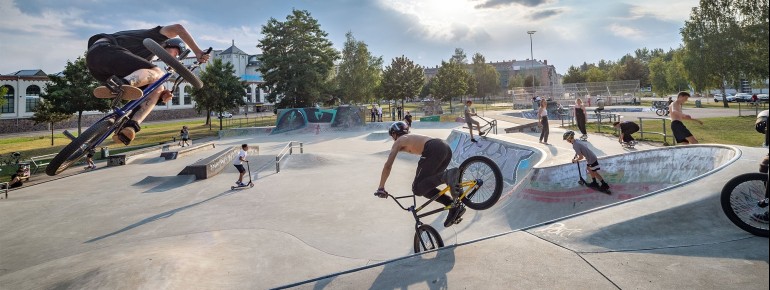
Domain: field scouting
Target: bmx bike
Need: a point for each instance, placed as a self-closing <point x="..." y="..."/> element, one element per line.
<point x="99" y="131"/>
<point x="744" y="198"/>
<point x="482" y="185"/>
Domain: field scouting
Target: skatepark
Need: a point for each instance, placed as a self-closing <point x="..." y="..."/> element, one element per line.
<point x="316" y="224"/>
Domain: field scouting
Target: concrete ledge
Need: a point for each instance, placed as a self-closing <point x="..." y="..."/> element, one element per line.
<point x="213" y="165"/>
<point x="169" y="155"/>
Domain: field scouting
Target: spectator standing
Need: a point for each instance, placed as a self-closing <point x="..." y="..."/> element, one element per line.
<point x="542" y="116"/>
<point x="580" y="117"/>
<point x="408" y="119"/>
<point x="379" y="114"/>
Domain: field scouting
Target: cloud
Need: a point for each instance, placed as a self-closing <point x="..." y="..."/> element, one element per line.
<point x="540" y="15"/>
<point x="676" y="11"/>
<point x="504" y="3"/>
<point x="625" y="31"/>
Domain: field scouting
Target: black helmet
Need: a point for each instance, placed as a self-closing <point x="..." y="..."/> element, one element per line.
<point x="568" y="135"/>
<point x="399" y="128"/>
<point x="175" y="43"/>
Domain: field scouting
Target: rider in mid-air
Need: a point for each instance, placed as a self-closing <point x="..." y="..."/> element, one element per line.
<point x="435" y="155"/>
<point x="123" y="55"/>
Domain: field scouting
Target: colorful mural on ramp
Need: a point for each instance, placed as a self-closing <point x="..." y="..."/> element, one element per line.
<point x="298" y="118"/>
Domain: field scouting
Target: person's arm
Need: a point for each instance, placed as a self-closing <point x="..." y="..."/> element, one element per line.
<point x="389" y="163"/>
<point x="577" y="157"/>
<point x="688" y="117"/>
<point x="175" y="30"/>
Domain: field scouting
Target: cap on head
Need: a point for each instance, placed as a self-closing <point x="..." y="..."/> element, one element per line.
<point x="399" y="128"/>
<point x="569" y="135"/>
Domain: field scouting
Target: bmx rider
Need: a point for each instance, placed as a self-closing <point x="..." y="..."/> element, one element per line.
<point x="435" y="156"/>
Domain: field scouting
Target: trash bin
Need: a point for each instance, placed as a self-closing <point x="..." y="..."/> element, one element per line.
<point x="698" y="104"/>
<point x="105" y="152"/>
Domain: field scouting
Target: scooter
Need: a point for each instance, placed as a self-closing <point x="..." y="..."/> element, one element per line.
<point x="250" y="184"/>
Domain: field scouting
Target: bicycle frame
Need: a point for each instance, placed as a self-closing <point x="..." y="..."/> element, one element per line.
<point x="471" y="186"/>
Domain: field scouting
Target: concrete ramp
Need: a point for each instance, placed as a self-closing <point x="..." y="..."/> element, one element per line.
<point x="164" y="183"/>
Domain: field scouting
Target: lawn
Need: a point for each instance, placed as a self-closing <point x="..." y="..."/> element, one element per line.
<point x="720" y="130"/>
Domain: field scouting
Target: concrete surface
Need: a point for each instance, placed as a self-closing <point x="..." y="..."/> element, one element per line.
<point x="140" y="226"/>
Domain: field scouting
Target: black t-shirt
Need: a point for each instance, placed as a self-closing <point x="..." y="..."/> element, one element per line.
<point x="132" y="40"/>
<point x="628" y="127"/>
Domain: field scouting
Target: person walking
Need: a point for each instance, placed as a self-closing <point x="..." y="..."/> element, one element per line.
<point x="580" y="117"/>
<point x="542" y="116"/>
<point x="185" y="136"/>
<point x="408" y="119"/>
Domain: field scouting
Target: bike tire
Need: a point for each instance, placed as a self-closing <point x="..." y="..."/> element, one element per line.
<point x="179" y="68"/>
<point x="426" y="238"/>
<point x="739" y="200"/>
<point x="484" y="169"/>
<point x="78" y="147"/>
<point x="660" y="112"/>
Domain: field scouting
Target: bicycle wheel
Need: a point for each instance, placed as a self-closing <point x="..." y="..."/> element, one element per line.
<point x="79" y="147"/>
<point x="660" y="112"/>
<point x="490" y="179"/>
<point x="740" y="200"/>
<point x="427" y="238"/>
<point x="179" y="68"/>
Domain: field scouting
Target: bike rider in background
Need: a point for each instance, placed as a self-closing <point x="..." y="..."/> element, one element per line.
<point x="435" y="155"/>
<point x="123" y="55"/>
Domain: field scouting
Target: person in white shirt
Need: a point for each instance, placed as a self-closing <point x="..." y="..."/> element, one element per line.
<point x="238" y="163"/>
<point x="542" y="116"/>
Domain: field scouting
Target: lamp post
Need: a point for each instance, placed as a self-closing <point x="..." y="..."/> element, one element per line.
<point x="531" y="59"/>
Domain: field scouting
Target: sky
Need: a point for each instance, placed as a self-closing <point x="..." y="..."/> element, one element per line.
<point x="45" y="34"/>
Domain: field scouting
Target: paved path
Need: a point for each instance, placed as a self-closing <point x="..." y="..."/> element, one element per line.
<point x="117" y="228"/>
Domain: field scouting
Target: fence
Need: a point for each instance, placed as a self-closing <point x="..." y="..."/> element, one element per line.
<point x="664" y="133"/>
<point x="751" y="108"/>
<point x="287" y="150"/>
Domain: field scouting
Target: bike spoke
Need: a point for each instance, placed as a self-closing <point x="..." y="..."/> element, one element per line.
<point x="744" y="202"/>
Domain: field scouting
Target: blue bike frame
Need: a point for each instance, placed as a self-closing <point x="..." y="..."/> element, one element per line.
<point x="119" y="113"/>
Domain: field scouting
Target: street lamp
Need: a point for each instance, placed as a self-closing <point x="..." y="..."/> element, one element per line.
<point x="531" y="59"/>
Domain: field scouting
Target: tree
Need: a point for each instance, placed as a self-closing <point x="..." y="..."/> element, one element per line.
<point x="72" y="91"/>
<point x="712" y="40"/>
<point x="459" y="56"/>
<point x="359" y="72"/>
<point x="675" y="73"/>
<point x="46" y="113"/>
<point x="658" y="76"/>
<point x="486" y="77"/>
<point x="451" y="80"/>
<point x="595" y="74"/>
<point x="402" y="79"/>
<point x="574" y="76"/>
<point x="296" y="60"/>
<point x="221" y="90"/>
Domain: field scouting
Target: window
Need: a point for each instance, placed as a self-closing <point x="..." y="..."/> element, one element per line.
<point x="187" y="97"/>
<point x="33" y="98"/>
<point x="9" y="100"/>
<point x="175" y="98"/>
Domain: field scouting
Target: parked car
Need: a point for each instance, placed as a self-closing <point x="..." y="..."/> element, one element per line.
<point x="762" y="97"/>
<point x="742" y="97"/>
<point x="225" y="115"/>
<point x="718" y="98"/>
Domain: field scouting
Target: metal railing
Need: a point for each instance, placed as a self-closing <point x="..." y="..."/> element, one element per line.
<point x="5" y="188"/>
<point x="37" y="161"/>
<point x="751" y="108"/>
<point x="287" y="150"/>
<point x="664" y="133"/>
<point x="612" y="117"/>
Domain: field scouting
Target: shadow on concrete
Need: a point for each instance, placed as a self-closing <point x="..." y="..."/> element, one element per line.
<point x="425" y="269"/>
<point x="160" y="216"/>
<point x="688" y="225"/>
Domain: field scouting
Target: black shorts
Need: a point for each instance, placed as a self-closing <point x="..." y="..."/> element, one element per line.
<point x="184" y="139"/>
<point x="240" y="168"/>
<point x="435" y="158"/>
<point x="680" y="131"/>
<point x="594" y="166"/>
<point x="105" y="59"/>
<point x="90" y="155"/>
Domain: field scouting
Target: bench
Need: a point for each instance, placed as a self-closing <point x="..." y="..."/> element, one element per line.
<point x="41" y="161"/>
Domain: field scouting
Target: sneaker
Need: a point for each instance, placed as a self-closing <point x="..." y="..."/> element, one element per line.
<point x="454" y="213"/>
<point x="757" y="217"/>
<point x="451" y="177"/>
<point x="593" y="184"/>
<point x="474" y="140"/>
<point x="604" y="186"/>
<point x="482" y="133"/>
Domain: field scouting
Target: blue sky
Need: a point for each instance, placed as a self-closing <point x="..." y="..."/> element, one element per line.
<point x="46" y="33"/>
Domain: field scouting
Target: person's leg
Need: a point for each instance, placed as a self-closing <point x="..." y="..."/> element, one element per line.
<point x="692" y="140"/>
<point x="546" y="130"/>
<point x="470" y="129"/>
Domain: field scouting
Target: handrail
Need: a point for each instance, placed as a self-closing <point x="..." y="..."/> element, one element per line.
<point x="5" y="188"/>
<point x="290" y="147"/>
<point x="665" y="134"/>
<point x="41" y="157"/>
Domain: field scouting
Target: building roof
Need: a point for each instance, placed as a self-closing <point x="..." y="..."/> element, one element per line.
<point x="30" y="73"/>
<point x="233" y="50"/>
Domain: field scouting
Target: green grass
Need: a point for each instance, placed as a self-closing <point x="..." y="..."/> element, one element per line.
<point x="720" y="130"/>
<point x="151" y="134"/>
